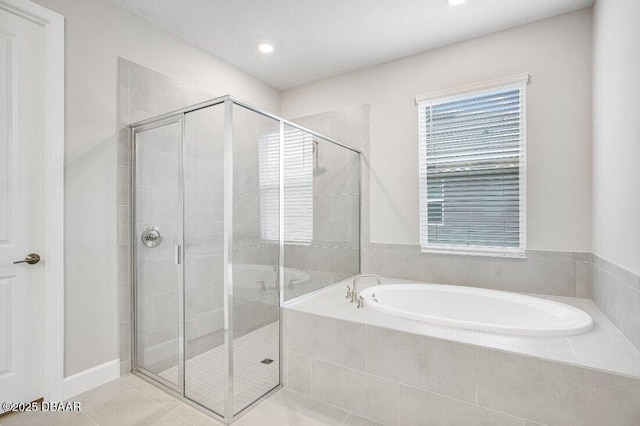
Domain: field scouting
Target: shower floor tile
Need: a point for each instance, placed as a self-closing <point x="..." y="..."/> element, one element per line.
<point x="205" y="373"/>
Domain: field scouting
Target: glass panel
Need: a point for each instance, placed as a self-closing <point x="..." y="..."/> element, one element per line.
<point x="157" y="275"/>
<point x="330" y="252"/>
<point x="255" y="256"/>
<point x="205" y="352"/>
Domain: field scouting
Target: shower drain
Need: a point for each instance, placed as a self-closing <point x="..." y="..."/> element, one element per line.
<point x="267" y="361"/>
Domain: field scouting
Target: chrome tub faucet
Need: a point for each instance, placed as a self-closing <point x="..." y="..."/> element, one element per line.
<point x="352" y="291"/>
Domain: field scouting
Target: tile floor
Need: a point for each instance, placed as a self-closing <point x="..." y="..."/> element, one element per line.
<point x="130" y="400"/>
<point x="205" y="373"/>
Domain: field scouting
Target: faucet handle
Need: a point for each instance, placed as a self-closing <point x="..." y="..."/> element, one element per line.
<point x="360" y="302"/>
<point x="349" y="293"/>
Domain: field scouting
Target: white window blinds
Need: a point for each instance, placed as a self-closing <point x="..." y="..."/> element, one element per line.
<point x="298" y="186"/>
<point x="472" y="178"/>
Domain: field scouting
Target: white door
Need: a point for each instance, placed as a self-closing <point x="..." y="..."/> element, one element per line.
<point x="21" y="205"/>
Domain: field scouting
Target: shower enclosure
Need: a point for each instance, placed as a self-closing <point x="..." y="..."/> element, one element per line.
<point x="234" y="212"/>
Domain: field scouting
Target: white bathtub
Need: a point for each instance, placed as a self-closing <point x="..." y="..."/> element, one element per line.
<point x="477" y="309"/>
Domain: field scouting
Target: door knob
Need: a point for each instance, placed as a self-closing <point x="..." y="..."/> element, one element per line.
<point x="151" y="236"/>
<point x="31" y="259"/>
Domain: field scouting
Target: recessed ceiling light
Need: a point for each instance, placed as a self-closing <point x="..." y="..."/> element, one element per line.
<point x="265" y="48"/>
<point x="456" y="2"/>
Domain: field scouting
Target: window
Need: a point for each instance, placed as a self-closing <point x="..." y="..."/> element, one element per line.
<point x="472" y="169"/>
<point x="298" y="186"/>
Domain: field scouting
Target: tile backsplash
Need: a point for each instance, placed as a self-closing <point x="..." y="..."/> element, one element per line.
<point x="543" y="272"/>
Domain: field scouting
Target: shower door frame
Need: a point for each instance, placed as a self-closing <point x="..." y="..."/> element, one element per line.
<point x="178" y="116"/>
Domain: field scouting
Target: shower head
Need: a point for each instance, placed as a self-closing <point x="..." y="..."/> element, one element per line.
<point x="319" y="171"/>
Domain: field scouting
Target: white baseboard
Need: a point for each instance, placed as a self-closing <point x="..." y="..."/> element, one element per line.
<point x="91" y="378"/>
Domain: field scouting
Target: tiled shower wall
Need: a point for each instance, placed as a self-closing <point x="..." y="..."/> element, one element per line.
<point x="338" y="217"/>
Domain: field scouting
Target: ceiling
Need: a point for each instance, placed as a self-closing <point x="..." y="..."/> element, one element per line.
<point x="316" y="39"/>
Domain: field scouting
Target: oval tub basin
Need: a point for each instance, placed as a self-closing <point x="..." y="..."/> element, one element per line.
<point x="477" y="309"/>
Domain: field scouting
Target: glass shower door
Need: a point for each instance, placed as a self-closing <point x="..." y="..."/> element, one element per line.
<point x="157" y="232"/>
<point x="232" y="329"/>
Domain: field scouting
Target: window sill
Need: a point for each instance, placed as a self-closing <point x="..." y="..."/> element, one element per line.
<point x="480" y="251"/>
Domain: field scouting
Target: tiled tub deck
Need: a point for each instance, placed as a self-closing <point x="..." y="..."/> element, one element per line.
<point x="401" y="372"/>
